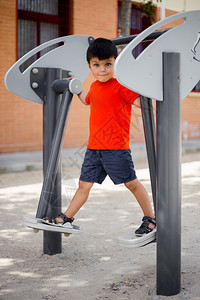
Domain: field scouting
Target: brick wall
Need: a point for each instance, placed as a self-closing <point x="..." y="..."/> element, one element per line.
<point x="191" y="117"/>
<point x="96" y="18"/>
<point x="21" y="120"/>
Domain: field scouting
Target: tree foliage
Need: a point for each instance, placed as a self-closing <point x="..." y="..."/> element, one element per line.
<point x="148" y="9"/>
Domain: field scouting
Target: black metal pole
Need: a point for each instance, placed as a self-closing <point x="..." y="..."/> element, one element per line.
<point x="150" y="139"/>
<point x="51" y="241"/>
<point x="123" y="40"/>
<point x="51" y="171"/>
<point x="51" y="198"/>
<point x="168" y="179"/>
<point x="54" y="122"/>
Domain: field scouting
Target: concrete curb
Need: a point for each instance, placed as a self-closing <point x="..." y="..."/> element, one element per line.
<point x="28" y="161"/>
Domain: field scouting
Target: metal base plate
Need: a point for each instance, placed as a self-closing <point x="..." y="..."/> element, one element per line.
<point x="37" y="225"/>
<point x="130" y="240"/>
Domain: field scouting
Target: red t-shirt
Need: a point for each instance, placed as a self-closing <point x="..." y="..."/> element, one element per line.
<point x="110" y="115"/>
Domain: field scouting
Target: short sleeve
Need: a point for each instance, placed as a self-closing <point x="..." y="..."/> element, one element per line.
<point x="128" y="95"/>
<point x="87" y="98"/>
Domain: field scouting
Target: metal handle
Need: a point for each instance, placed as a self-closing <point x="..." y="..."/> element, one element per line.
<point x="73" y="85"/>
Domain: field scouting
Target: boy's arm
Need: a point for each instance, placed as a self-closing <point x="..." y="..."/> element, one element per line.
<point x="82" y="97"/>
<point x="137" y="102"/>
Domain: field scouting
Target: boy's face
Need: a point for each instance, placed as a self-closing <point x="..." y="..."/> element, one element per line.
<point x="102" y="70"/>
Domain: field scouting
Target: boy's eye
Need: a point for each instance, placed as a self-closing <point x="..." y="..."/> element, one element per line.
<point x="108" y="64"/>
<point x="96" y="65"/>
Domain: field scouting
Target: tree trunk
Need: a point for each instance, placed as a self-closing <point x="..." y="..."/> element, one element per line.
<point x="125" y="17"/>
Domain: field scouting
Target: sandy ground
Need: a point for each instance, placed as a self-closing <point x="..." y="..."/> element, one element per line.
<point x="92" y="265"/>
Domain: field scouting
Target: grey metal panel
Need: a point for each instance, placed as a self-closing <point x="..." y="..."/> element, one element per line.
<point x="70" y="56"/>
<point x="144" y="73"/>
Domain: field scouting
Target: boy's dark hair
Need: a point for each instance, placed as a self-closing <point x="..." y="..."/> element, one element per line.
<point x="102" y="49"/>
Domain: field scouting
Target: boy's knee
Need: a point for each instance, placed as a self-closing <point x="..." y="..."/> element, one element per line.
<point x="132" y="185"/>
<point x="85" y="185"/>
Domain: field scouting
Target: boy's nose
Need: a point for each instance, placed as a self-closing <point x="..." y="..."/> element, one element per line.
<point x="102" y="68"/>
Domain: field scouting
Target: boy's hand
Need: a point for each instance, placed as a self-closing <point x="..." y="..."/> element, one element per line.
<point x="68" y="78"/>
<point x="82" y="94"/>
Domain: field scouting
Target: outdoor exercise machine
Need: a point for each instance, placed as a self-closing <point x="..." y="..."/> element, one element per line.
<point x="166" y="70"/>
<point x="42" y="83"/>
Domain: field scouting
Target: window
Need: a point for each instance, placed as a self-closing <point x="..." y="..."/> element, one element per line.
<point x="40" y="21"/>
<point x="197" y="87"/>
<point x="138" y="23"/>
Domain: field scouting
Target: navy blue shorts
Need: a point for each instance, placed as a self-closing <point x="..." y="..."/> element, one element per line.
<point x="117" y="164"/>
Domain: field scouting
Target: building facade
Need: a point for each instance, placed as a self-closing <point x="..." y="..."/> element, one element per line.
<point x="26" y="24"/>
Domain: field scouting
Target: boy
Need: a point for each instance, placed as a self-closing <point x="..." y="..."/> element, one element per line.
<point x="108" y="150"/>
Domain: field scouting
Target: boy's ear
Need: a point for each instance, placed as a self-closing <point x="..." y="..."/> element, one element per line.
<point x="89" y="66"/>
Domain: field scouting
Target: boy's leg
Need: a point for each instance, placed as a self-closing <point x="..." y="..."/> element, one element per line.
<point x="91" y="171"/>
<point x="78" y="200"/>
<point x="142" y="197"/>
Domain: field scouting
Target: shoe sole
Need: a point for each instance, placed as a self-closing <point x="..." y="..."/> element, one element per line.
<point x="130" y="240"/>
<point x="60" y="225"/>
<point x="37" y="224"/>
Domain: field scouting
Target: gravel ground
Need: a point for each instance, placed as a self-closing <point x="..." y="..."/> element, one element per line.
<point x="92" y="265"/>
